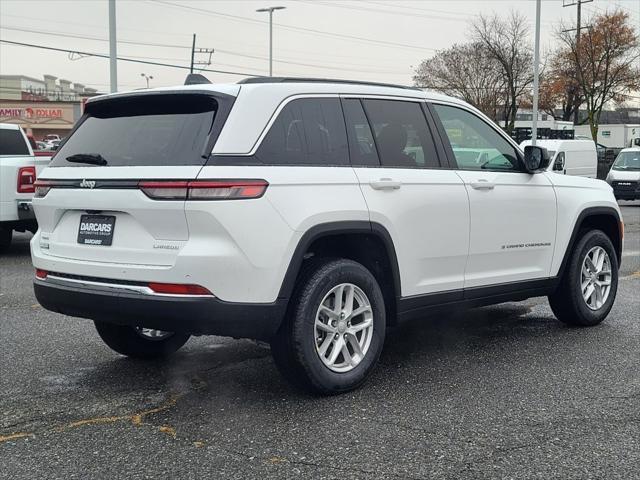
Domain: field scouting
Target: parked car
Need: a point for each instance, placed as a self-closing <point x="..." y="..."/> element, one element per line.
<point x="312" y="214"/>
<point x="52" y="144"/>
<point x="51" y="137"/>
<point x="18" y="171"/>
<point x="571" y="157"/>
<point x="624" y="175"/>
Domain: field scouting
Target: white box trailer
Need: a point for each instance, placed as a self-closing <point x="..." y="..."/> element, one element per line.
<point x="613" y="135"/>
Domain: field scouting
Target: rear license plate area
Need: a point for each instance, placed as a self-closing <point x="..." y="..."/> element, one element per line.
<point x="96" y="229"/>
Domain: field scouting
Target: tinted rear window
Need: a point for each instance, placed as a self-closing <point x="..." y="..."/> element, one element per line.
<point x="153" y="130"/>
<point x="308" y="131"/>
<point x="12" y="143"/>
<point x="403" y="137"/>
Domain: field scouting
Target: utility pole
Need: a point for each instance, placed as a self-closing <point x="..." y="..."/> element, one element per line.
<point x="536" y="76"/>
<point x="194" y="50"/>
<point x="113" y="54"/>
<point x="270" y="10"/>
<point x="579" y="27"/>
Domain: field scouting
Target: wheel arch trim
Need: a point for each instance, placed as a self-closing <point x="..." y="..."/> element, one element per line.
<point x="338" y="228"/>
<point x="582" y="216"/>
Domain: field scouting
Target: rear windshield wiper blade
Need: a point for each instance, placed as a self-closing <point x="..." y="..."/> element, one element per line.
<point x="91" y="158"/>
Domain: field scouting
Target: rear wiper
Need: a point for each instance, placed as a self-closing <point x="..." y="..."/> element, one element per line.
<point x="91" y="158"/>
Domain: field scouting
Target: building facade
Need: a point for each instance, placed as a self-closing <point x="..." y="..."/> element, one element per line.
<point x="42" y="107"/>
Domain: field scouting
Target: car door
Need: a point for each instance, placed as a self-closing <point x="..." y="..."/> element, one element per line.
<point x="513" y="213"/>
<point x="423" y="206"/>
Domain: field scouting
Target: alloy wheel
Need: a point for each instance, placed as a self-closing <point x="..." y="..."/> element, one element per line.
<point x="343" y="327"/>
<point x="596" y="278"/>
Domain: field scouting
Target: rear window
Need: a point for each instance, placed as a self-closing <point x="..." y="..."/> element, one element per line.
<point x="402" y="134"/>
<point x="308" y="131"/>
<point x="12" y="142"/>
<point x="153" y="130"/>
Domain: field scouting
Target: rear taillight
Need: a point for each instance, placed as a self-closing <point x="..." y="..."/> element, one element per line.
<point x="204" y="189"/>
<point x="26" y="179"/>
<point x="178" y="289"/>
<point x="41" y="274"/>
<point x="169" y="190"/>
<point x="41" y="188"/>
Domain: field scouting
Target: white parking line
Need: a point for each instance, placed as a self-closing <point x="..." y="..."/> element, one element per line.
<point x="631" y="253"/>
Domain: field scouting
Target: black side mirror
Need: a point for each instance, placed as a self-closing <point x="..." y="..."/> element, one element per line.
<point x="536" y="159"/>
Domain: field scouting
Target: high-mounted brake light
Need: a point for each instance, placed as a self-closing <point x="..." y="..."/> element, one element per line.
<point x="204" y="189"/>
<point x="41" y="188"/>
<point x="178" y="289"/>
<point x="26" y="179"/>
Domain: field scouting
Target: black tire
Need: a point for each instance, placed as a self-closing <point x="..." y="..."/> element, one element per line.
<point x="567" y="302"/>
<point x="294" y="346"/>
<point x="6" y="235"/>
<point x="127" y="341"/>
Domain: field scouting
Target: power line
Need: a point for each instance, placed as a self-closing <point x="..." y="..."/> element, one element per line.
<point x="93" y="26"/>
<point x="250" y="45"/>
<point x="417" y="8"/>
<point x="224" y="51"/>
<point x="377" y="10"/>
<point x="101" y="55"/>
<point x="87" y="37"/>
<point x="292" y="28"/>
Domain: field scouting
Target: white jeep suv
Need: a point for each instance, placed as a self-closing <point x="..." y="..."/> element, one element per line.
<point x="310" y="214"/>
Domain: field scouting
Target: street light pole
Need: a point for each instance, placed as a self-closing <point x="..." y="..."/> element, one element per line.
<point x="270" y="10"/>
<point x="113" y="54"/>
<point x="147" y="78"/>
<point x="536" y="76"/>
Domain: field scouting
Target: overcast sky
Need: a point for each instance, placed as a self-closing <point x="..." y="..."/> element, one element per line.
<point x="368" y="40"/>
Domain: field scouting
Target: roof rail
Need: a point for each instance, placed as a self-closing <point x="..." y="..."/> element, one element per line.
<point x="196" y="79"/>
<point x="320" y="80"/>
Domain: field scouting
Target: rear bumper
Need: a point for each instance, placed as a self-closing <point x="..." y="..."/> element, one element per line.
<point x="18" y="214"/>
<point x="195" y="315"/>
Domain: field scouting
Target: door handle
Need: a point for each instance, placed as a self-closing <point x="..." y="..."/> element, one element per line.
<point x="385" y="184"/>
<point x="483" y="185"/>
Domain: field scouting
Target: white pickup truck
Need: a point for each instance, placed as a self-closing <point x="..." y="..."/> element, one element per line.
<point x="18" y="170"/>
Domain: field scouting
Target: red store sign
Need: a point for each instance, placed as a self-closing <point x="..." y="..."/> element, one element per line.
<point x="31" y="113"/>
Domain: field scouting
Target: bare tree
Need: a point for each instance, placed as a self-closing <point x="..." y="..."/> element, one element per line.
<point x="507" y="42"/>
<point x="604" y="61"/>
<point x="559" y="87"/>
<point x="466" y="71"/>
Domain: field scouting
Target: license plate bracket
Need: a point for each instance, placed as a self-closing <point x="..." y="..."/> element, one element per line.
<point x="96" y="230"/>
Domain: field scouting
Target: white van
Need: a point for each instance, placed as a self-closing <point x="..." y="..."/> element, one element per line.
<point x="624" y="175"/>
<point x="570" y="157"/>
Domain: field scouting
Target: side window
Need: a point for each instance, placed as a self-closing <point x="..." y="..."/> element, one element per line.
<point x="475" y="144"/>
<point x="308" y="131"/>
<point x="402" y="135"/>
<point x="362" y="146"/>
<point x="12" y="142"/>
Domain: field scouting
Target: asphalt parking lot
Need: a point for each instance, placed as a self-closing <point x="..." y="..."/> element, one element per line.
<point x="499" y="392"/>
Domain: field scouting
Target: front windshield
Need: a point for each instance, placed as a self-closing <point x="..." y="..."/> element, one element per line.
<point x="627" y="161"/>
